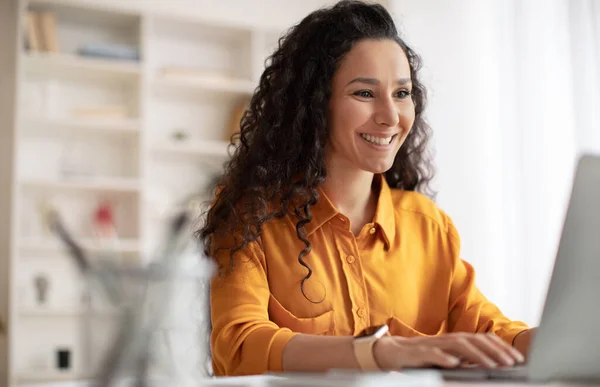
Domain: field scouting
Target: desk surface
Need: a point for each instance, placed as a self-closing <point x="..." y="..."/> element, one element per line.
<point x="445" y="384"/>
<point x="238" y="384"/>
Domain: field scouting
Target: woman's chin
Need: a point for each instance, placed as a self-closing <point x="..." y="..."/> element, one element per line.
<point x="377" y="169"/>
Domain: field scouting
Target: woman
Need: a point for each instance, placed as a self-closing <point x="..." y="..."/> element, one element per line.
<point x="318" y="229"/>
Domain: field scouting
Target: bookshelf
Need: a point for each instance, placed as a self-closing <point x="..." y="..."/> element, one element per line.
<point x="123" y="105"/>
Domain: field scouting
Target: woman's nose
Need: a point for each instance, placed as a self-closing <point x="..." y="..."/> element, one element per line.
<point x="387" y="113"/>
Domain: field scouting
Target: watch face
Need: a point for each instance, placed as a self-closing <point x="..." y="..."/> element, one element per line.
<point x="373" y="330"/>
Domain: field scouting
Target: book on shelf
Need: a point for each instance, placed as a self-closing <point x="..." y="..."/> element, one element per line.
<point x="40" y="32"/>
<point x="109" y="51"/>
<point x="49" y="33"/>
<point x="32" y="35"/>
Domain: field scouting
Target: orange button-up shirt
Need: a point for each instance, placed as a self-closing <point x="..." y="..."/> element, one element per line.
<point x="403" y="269"/>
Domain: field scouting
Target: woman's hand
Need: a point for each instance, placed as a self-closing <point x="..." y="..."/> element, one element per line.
<point x="448" y="351"/>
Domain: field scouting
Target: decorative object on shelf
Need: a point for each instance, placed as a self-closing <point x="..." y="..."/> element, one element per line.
<point x="116" y="111"/>
<point x="63" y="359"/>
<point x="109" y="51"/>
<point x="236" y="118"/>
<point x="181" y="135"/>
<point x="32" y="34"/>
<point x="42" y="284"/>
<point x="103" y="223"/>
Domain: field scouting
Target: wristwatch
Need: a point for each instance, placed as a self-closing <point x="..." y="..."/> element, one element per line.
<point x="363" y="346"/>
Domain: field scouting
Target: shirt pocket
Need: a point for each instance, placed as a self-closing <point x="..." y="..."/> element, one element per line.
<point x="323" y="324"/>
<point x="399" y="328"/>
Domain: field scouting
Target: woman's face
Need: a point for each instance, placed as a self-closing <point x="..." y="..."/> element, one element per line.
<point x="371" y="110"/>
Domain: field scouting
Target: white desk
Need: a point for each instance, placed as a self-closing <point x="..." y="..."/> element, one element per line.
<point x="260" y="381"/>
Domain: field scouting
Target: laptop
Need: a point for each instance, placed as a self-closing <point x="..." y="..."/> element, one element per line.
<point x="567" y="343"/>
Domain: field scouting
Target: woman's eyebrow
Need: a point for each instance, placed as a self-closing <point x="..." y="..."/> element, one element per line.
<point x="375" y="82"/>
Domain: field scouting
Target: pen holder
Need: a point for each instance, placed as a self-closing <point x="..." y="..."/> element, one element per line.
<point x="160" y="329"/>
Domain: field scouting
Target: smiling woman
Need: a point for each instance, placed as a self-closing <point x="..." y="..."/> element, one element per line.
<point x="330" y="253"/>
<point x="370" y="116"/>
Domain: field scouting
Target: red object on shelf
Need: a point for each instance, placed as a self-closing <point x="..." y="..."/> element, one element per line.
<point x="104" y="224"/>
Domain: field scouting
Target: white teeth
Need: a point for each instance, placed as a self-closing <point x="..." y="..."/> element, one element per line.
<point x="377" y="140"/>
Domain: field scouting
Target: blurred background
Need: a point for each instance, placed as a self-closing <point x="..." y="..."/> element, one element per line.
<point x="117" y="113"/>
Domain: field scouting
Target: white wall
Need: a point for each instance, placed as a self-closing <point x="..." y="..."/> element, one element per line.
<point x="504" y="106"/>
<point x="459" y="69"/>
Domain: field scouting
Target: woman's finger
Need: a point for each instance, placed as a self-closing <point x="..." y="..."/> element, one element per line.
<point x="518" y="356"/>
<point x="418" y="356"/>
<point x="496" y="351"/>
<point x="436" y="357"/>
<point x="462" y="347"/>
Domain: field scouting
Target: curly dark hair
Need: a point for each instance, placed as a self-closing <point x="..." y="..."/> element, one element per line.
<point x="279" y="161"/>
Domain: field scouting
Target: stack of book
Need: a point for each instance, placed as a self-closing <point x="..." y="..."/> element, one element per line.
<point x="41" y="36"/>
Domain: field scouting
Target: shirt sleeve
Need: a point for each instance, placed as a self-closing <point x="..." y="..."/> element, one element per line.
<point x="243" y="340"/>
<point x="469" y="309"/>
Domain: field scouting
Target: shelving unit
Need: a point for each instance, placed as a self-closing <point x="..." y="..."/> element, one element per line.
<point x="164" y="137"/>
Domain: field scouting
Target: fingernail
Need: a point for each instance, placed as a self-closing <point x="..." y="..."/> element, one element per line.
<point x="492" y="364"/>
<point x="519" y="356"/>
<point x="509" y="361"/>
<point x="454" y="361"/>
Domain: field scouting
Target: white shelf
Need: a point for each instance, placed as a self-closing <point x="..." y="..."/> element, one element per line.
<point x="69" y="65"/>
<point x="71" y="126"/>
<point x="214" y="84"/>
<point x="194" y="149"/>
<point x="50" y="376"/>
<point x="100" y="184"/>
<point x="49" y="245"/>
<point x="61" y="312"/>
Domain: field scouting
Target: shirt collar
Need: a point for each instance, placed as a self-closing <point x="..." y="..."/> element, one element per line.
<point x="324" y="211"/>
<point x="385" y="214"/>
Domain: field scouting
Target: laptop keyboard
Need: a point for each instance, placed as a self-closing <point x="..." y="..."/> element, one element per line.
<point x="508" y="373"/>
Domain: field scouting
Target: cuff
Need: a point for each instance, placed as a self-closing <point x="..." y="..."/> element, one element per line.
<point x="278" y="343"/>
<point x="509" y="335"/>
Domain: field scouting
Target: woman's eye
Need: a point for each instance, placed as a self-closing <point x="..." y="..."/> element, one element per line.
<point x="364" y="94"/>
<point x="402" y="94"/>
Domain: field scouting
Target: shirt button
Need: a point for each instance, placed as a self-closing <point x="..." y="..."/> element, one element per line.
<point x="360" y="312"/>
<point x="350" y="259"/>
<point x="372" y="230"/>
<point x="342" y="219"/>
